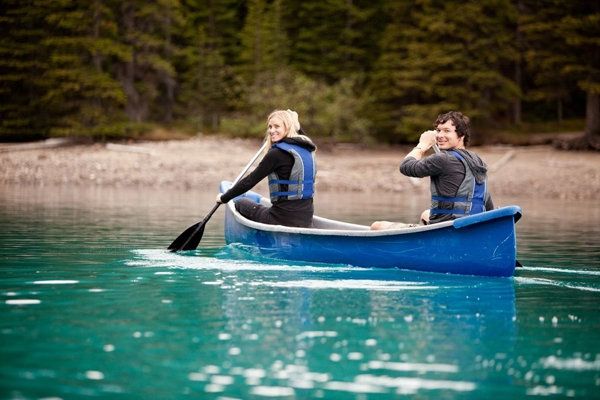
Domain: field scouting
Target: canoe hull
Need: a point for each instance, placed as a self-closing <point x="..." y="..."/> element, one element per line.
<point x="484" y="244"/>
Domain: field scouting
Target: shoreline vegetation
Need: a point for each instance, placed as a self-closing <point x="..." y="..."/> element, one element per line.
<point x="354" y="71"/>
<point x="534" y="171"/>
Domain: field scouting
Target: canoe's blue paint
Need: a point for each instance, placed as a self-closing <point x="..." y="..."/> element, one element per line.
<point x="482" y="244"/>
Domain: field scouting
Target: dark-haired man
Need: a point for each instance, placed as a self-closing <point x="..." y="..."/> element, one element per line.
<point x="458" y="176"/>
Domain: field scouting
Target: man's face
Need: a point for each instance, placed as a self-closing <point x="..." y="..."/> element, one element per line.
<point x="447" y="138"/>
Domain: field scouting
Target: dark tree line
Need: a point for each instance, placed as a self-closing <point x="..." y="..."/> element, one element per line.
<point x="354" y="69"/>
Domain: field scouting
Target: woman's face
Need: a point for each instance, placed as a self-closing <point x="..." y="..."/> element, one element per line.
<point x="276" y="129"/>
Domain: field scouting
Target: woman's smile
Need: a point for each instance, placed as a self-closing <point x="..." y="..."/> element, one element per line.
<point x="276" y="129"/>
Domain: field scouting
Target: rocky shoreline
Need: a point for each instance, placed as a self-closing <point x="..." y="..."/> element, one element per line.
<point x="202" y="162"/>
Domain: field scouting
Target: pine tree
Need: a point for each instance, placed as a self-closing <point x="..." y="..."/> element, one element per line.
<point x="392" y="84"/>
<point x="563" y="51"/>
<point x="333" y="39"/>
<point x="80" y="92"/>
<point x="446" y="55"/>
<point x="264" y="43"/>
<point x="22" y="64"/>
<point x="147" y="74"/>
<point x="208" y="83"/>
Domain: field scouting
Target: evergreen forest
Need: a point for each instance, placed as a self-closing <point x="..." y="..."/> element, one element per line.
<point x="355" y="70"/>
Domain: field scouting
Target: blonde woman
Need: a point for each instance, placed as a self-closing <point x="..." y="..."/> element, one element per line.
<point x="289" y="164"/>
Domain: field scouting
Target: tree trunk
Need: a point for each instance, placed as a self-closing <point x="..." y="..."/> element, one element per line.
<point x="517" y="103"/>
<point x="168" y="80"/>
<point x="559" y="111"/>
<point x="96" y="56"/>
<point x="591" y="138"/>
<point x="592" y="120"/>
<point x="135" y="107"/>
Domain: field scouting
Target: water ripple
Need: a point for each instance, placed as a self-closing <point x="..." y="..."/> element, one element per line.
<point x="562" y="270"/>
<point x="348" y="284"/>
<point x="543" y="281"/>
<point x="416" y="367"/>
<point x="192" y="260"/>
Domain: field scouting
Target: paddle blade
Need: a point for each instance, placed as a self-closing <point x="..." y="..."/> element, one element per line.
<point x="189" y="239"/>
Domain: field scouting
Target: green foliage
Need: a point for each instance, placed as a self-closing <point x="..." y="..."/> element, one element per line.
<point x="207" y="84"/>
<point x="444" y="55"/>
<point x="82" y="96"/>
<point x="354" y="70"/>
<point x="148" y="75"/>
<point x="325" y="110"/>
<point x="333" y="39"/>
<point x="263" y="40"/>
<point x="563" y="47"/>
<point x="22" y="62"/>
<point x="564" y="40"/>
<point x="563" y="51"/>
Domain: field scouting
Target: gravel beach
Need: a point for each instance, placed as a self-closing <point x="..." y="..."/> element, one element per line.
<point x="202" y="162"/>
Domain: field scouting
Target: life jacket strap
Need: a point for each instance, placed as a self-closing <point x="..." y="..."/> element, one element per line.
<point x="453" y="211"/>
<point x="306" y="192"/>
<point x="288" y="182"/>
<point x="450" y="199"/>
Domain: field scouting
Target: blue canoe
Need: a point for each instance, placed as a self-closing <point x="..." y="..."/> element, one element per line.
<point x="482" y="244"/>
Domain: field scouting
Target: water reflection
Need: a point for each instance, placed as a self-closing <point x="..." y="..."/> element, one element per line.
<point x="344" y="329"/>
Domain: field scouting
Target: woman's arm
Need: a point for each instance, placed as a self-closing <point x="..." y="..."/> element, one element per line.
<point x="264" y="168"/>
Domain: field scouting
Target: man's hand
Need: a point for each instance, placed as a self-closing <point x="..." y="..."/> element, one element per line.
<point x="427" y="140"/>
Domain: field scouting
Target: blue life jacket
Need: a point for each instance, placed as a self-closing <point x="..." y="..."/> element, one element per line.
<point x="470" y="197"/>
<point x="301" y="184"/>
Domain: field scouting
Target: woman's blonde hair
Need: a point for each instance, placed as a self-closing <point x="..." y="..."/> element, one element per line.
<point x="290" y="122"/>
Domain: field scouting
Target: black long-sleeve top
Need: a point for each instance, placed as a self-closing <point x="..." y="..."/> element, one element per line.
<point x="286" y="212"/>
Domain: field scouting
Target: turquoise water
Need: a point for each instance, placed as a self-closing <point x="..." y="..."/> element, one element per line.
<point x="93" y="307"/>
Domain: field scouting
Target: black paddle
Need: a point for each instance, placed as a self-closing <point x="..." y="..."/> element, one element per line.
<point x="190" y="238"/>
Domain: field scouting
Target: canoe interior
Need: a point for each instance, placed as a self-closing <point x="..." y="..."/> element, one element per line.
<point x="320" y="224"/>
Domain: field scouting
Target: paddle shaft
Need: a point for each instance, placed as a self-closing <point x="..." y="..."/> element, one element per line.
<point x="247" y="167"/>
<point x="240" y="176"/>
<point x="190" y="238"/>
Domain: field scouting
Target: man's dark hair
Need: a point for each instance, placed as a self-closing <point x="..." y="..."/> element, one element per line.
<point x="460" y="121"/>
